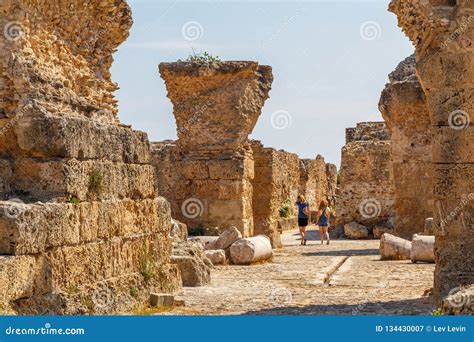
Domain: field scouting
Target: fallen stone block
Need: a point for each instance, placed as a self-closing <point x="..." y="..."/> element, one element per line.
<point x="194" y="266"/>
<point x="209" y="242"/>
<point x="354" y="230"/>
<point x="422" y="248"/>
<point x="194" y="272"/>
<point x="250" y="250"/>
<point x="227" y="238"/>
<point x="217" y="256"/>
<point x="161" y="299"/>
<point x="379" y="231"/>
<point x="394" y="248"/>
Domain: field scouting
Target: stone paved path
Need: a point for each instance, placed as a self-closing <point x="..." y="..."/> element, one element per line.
<point x="345" y="277"/>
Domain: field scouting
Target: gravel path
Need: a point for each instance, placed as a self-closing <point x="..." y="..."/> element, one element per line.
<point x="345" y="277"/>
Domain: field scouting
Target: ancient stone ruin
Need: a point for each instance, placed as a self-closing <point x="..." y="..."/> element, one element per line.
<point x="216" y="107"/>
<point x="213" y="175"/>
<point x="403" y="106"/>
<point x="279" y="178"/>
<point x="275" y="186"/>
<point x="366" y="194"/>
<point x="442" y="32"/>
<point x="81" y="228"/>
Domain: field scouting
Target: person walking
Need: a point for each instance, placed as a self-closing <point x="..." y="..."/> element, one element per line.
<point x="324" y="213"/>
<point x="304" y="216"/>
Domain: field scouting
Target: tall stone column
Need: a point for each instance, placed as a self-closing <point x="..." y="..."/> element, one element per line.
<point x="216" y="106"/>
<point x="403" y="106"/>
<point x="443" y="31"/>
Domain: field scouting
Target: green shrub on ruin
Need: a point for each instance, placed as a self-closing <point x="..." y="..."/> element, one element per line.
<point x="285" y="209"/>
<point x="95" y="181"/>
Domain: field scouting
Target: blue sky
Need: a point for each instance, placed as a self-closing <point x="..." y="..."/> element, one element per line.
<point x="330" y="62"/>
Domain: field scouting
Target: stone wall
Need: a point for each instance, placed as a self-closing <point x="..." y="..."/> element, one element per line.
<point x="366" y="175"/>
<point x="99" y="230"/>
<point x="404" y="109"/>
<point x="275" y="186"/>
<point x="216" y="106"/>
<point x="442" y="32"/>
<point x="317" y="181"/>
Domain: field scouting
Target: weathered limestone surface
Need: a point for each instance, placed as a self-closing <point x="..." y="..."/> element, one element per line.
<point x="216" y="106"/>
<point x="354" y="230"/>
<point x="217" y="256"/>
<point x="99" y="230"/>
<point x="404" y="109"/>
<point x="317" y="181"/>
<point x="249" y="250"/>
<point x="366" y="193"/>
<point x="193" y="264"/>
<point x="394" y="248"/>
<point x="442" y="32"/>
<point x="422" y="248"/>
<point x="275" y="185"/>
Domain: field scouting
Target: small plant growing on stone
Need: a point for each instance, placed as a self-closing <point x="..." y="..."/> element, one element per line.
<point x="437" y="312"/>
<point x="285" y="209"/>
<point x="202" y="58"/>
<point x="95" y="181"/>
<point x="74" y="200"/>
<point x="133" y="292"/>
<point x="147" y="263"/>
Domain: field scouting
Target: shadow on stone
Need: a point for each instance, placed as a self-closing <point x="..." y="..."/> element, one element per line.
<point x="419" y="306"/>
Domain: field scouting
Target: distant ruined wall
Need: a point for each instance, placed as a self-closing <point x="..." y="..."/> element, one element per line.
<point x="216" y="106"/>
<point x="442" y="32"/>
<point x="404" y="108"/>
<point x="275" y="185"/>
<point x="99" y="229"/>
<point x="317" y="181"/>
<point x="366" y="174"/>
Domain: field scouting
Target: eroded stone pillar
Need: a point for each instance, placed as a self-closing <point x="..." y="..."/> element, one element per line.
<point x="98" y="230"/>
<point x="216" y="107"/>
<point x="443" y="31"/>
<point x="275" y="189"/>
<point x="403" y="106"/>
